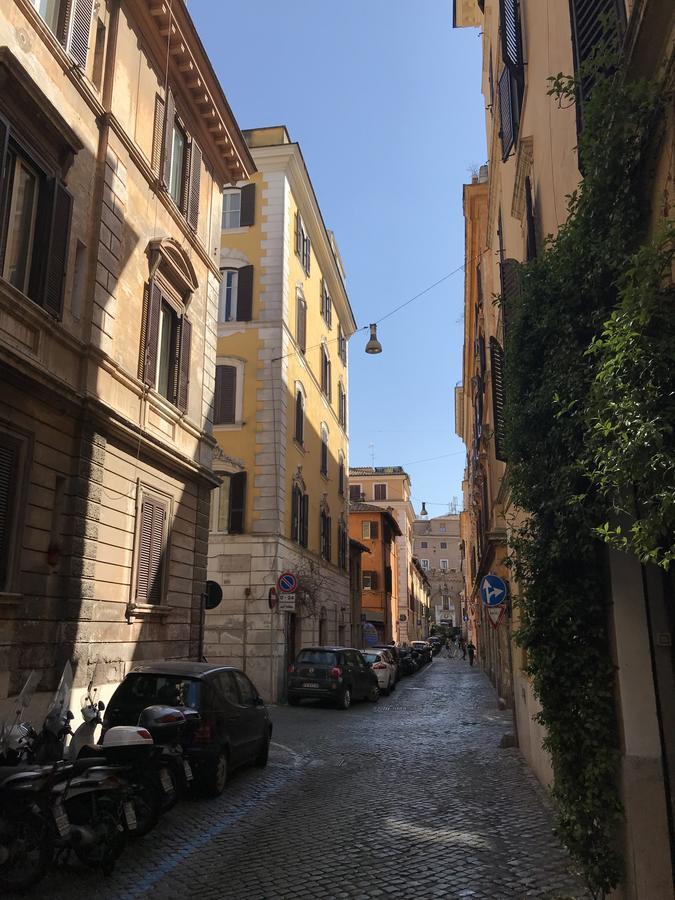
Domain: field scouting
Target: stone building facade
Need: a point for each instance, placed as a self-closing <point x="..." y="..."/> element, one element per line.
<point x="115" y="143"/>
<point x="436" y="544"/>
<point x="280" y="420"/>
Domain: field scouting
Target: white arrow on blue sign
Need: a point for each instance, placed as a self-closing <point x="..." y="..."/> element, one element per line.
<point x="492" y="590"/>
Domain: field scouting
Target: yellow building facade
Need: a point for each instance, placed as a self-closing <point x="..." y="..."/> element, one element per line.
<point x="280" y="419"/>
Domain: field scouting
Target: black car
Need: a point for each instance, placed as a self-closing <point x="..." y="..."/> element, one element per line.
<point x="227" y="723"/>
<point x="337" y="674"/>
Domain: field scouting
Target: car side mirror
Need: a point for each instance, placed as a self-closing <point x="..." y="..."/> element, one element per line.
<point x="101" y="705"/>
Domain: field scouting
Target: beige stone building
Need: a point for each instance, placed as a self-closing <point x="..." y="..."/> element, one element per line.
<point x="436" y="544"/>
<point x="509" y="208"/>
<point x="115" y="143"/>
<point x="280" y="418"/>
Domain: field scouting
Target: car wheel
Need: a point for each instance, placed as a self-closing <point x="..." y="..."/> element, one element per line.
<point x="215" y="776"/>
<point x="374" y="694"/>
<point x="345" y="700"/>
<point x="263" y="756"/>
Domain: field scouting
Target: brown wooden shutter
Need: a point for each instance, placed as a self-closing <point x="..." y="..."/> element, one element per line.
<point x="184" y="350"/>
<point x="374" y="530"/>
<point x="373" y="580"/>
<point x="237" y="503"/>
<point x="152" y="336"/>
<point x="57" y="257"/>
<point x="157" y="135"/>
<point x="169" y="120"/>
<point x="299" y="418"/>
<point x="512" y="48"/>
<point x="245" y="294"/>
<point x="592" y="22"/>
<point x="531" y="229"/>
<point x="341" y="478"/>
<point x="511" y="285"/>
<point x="247" y="213"/>
<point x="308" y="254"/>
<point x="8" y="463"/>
<point x="305" y="520"/>
<point x="302" y="325"/>
<point x="195" y="174"/>
<point x="507" y="131"/>
<point x="144" y="331"/>
<point x="295" y="514"/>
<point x="329" y="538"/>
<point x="498" y="397"/>
<point x="78" y="46"/>
<point x="226" y="395"/>
<point x="185" y="177"/>
<point x="298" y="234"/>
<point x="151" y="552"/>
<point x="4" y="142"/>
<point x="324" y="457"/>
<point x="354" y="492"/>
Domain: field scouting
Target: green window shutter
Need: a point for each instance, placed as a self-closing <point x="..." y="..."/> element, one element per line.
<point x="498" y="397"/>
<point x="247" y="215"/>
<point x="511" y="284"/>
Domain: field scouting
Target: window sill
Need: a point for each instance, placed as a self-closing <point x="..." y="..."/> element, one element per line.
<point x="142" y="611"/>
<point x="7" y="598"/>
<point x="299" y="446"/>
<point x="229" y="426"/>
<point x="240" y="229"/>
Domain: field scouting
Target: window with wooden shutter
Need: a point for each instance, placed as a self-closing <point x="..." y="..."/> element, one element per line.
<point x="531" y="248"/>
<point x="151" y="549"/>
<point x="151" y="334"/>
<point x="167" y="153"/>
<point x="247" y="214"/>
<point x="341" y="477"/>
<point x="304" y="521"/>
<point x="57" y="257"/>
<point x="508" y="124"/>
<point x="225" y="404"/>
<point x="157" y="135"/>
<point x="380" y="491"/>
<point x="296" y="509"/>
<point x="195" y="175"/>
<point x="498" y="397"/>
<point x="245" y="294"/>
<point x="301" y="324"/>
<point x="298" y="235"/>
<point x="9" y="458"/>
<point x="373" y="580"/>
<point x="593" y="22"/>
<point x="79" y="31"/>
<point x="355" y="492"/>
<point x="374" y="530"/>
<point x="299" y="417"/>
<point x="237" y="503"/>
<point x="324" y="453"/>
<point x="511" y="284"/>
<point x="183" y="374"/>
<point x="512" y="44"/>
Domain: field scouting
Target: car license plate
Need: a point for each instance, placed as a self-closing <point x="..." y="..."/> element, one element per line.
<point x="61" y="819"/>
<point x="165" y="779"/>
<point x="310" y="684"/>
<point x="187" y="770"/>
<point x="129" y="815"/>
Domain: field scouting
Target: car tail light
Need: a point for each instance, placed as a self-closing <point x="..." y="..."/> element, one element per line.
<point x="335" y="672"/>
<point x="379" y="666"/>
<point x="291" y="669"/>
<point x="167" y="718"/>
<point x="203" y="733"/>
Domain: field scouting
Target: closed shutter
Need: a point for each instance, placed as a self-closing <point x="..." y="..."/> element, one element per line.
<point x="341" y="478"/>
<point x="247" y="214"/>
<point x="151" y="552"/>
<point x="58" y="251"/>
<point x="226" y="394"/>
<point x="144" y="331"/>
<point x="299" y="418"/>
<point x="8" y="461"/>
<point x="183" y="379"/>
<point x="78" y="45"/>
<point x="195" y="175"/>
<point x="329" y="538"/>
<point x="169" y="120"/>
<point x="324" y="457"/>
<point x="152" y="336"/>
<point x="531" y="229"/>
<point x="64" y="21"/>
<point x="592" y="22"/>
<point x="245" y="294"/>
<point x="510" y="288"/>
<point x="374" y="530"/>
<point x="373" y="580"/>
<point x="507" y="127"/>
<point x="498" y="397"/>
<point x="355" y="492"/>
<point x="298" y="234"/>
<point x="157" y="135"/>
<point x="302" y="325"/>
<point x="185" y="178"/>
<point x="295" y="514"/>
<point x="512" y="46"/>
<point x="4" y="140"/>
<point x="237" y="503"/>
<point x="307" y="254"/>
<point x="305" y="520"/>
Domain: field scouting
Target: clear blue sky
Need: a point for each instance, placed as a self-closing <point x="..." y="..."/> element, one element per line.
<point x="384" y="98"/>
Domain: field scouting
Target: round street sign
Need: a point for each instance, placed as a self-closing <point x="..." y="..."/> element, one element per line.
<point x="493" y="590"/>
<point x="287" y="583"/>
<point x="213" y="595"/>
<point x="272" y="597"/>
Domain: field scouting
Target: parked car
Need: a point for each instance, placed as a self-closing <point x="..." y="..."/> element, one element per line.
<point x="227" y="723"/>
<point x="436" y="644"/>
<point x="406" y="661"/>
<point x="424" y="649"/>
<point x="337" y="674"/>
<point x="396" y="654"/>
<point x="384" y="666"/>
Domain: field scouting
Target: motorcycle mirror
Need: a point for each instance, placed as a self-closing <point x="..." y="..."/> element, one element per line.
<point x="101" y="705"/>
<point x="69" y="715"/>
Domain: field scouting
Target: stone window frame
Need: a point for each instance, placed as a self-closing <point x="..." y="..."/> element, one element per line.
<point x="150" y="610"/>
<point x="23" y="443"/>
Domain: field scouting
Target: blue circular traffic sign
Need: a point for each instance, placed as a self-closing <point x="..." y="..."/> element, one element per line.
<point x="493" y="590"/>
<point x="287" y="583"/>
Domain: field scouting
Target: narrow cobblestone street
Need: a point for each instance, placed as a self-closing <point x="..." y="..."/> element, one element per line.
<point x="408" y="798"/>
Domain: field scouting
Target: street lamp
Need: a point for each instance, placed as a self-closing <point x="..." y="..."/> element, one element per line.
<point x="373" y="345"/>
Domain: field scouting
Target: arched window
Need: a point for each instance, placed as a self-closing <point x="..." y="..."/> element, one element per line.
<point x="325" y="373"/>
<point x="342" y="405"/>
<point x="299" y="415"/>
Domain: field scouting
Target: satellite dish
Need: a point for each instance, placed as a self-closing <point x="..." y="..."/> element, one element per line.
<point x="213" y="595"/>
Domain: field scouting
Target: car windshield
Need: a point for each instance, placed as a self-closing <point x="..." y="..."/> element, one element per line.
<point x="317" y="657"/>
<point x="169" y="690"/>
<point x="371" y="657"/>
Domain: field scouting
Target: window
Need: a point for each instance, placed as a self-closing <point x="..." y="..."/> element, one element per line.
<point x="151" y="551"/>
<point x="325" y="373"/>
<point x="239" y="207"/>
<point x="342" y="346"/>
<point x="166" y="338"/>
<point x="326" y="305"/>
<point x="355" y="492"/>
<point x="341" y="475"/>
<point x="369" y="581"/>
<point x="177" y="158"/>
<point x="235" y="300"/>
<point x="424" y="563"/>
<point x="301" y="323"/>
<point x="229" y="504"/>
<point x="380" y="491"/>
<point x="343" y="544"/>
<point x="531" y="232"/>
<point x="10" y="450"/>
<point x="35" y="213"/>
<point x="424" y="545"/>
<point x="70" y="22"/>
<point x="225" y="402"/>
<point x="342" y="405"/>
<point x="300" y="416"/>
<point x="303" y="247"/>
<point x="247" y="693"/>
<point x="444" y="564"/>
<point x="324" y="450"/>
<point x="325" y="535"/>
<point x="592" y="22"/>
<point x="299" y="516"/>
<point x="227" y="686"/>
<point x="441" y="528"/>
<point x="510" y="85"/>
<point x="498" y="398"/>
<point x="444" y="545"/>
<point x="369" y="530"/>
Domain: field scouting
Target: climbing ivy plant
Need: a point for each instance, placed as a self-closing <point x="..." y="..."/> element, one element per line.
<point x="584" y="329"/>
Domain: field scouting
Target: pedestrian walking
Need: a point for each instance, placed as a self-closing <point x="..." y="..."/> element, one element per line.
<point x="471" y="651"/>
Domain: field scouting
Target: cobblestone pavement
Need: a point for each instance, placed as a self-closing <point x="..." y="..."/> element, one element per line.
<point x="409" y="798"/>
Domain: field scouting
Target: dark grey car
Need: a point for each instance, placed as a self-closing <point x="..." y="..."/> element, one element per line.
<point x="336" y="674"/>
